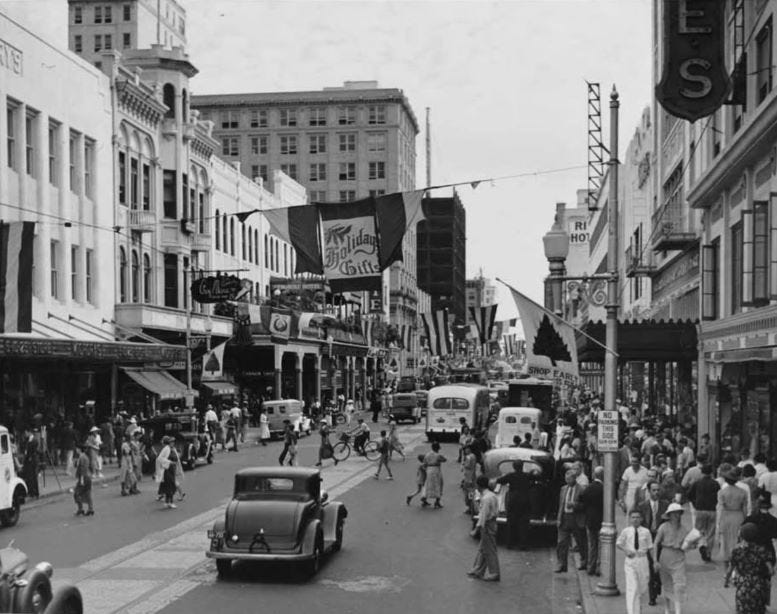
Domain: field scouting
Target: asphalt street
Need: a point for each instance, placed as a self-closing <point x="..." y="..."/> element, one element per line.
<point x="136" y="556"/>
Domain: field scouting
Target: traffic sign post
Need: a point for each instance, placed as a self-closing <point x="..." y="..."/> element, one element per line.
<point x="607" y="431"/>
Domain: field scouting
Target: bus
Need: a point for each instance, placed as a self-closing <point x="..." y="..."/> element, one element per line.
<point x="533" y="392"/>
<point x="447" y="404"/>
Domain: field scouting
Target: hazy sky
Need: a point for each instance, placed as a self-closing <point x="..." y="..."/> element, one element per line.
<point x="505" y="82"/>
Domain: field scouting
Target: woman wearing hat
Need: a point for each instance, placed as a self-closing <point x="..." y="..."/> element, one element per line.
<point x="731" y="512"/>
<point x="669" y="554"/>
<point x="754" y="567"/>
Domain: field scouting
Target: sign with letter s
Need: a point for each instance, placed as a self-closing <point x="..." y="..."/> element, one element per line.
<point x="694" y="82"/>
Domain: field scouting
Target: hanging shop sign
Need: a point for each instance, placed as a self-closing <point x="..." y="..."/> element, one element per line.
<point x="219" y="288"/>
<point x="694" y="82"/>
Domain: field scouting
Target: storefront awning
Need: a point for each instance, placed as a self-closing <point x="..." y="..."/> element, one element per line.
<point x="645" y="340"/>
<point x="767" y="354"/>
<point x="221" y="388"/>
<point x="160" y="383"/>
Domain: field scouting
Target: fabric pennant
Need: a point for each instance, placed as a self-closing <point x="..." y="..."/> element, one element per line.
<point x="299" y="226"/>
<point x="396" y="213"/>
<point x="16" y="260"/>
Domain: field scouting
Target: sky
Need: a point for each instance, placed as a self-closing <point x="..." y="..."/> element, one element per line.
<point x="505" y="83"/>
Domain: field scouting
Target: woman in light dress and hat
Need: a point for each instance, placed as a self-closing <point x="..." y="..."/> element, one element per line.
<point x="731" y="512"/>
<point x="670" y="546"/>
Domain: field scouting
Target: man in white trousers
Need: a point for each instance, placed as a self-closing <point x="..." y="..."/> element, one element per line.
<point x="635" y="542"/>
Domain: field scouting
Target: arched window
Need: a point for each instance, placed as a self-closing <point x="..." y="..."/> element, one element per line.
<point x="224" y="232"/>
<point x="285" y="261"/>
<point x="135" y="277"/>
<point x="122" y="275"/>
<point x="256" y="251"/>
<point x="218" y="229"/>
<point x="250" y="245"/>
<point x="147" y="294"/>
<point x="232" y="236"/>
<point x="272" y="253"/>
<point x="184" y="106"/>
<point x="243" y="240"/>
<point x="277" y="256"/>
<point x="168" y="97"/>
<point x="266" y="251"/>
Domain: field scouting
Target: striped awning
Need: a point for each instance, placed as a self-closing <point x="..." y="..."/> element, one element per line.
<point x="160" y="383"/>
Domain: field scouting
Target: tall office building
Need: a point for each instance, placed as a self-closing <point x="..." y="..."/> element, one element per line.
<point x="442" y="254"/>
<point x="94" y="27"/>
<point x="480" y="292"/>
<point x="341" y="143"/>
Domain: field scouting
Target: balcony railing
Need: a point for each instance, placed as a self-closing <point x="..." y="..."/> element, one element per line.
<point x="141" y="220"/>
<point x="636" y="263"/>
<point x="671" y="228"/>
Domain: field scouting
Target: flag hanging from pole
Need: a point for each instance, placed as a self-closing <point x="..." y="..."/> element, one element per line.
<point x="396" y="213"/>
<point x="16" y="254"/>
<point x="437" y="332"/>
<point x="551" y="348"/>
<point x="299" y="226"/>
<point x="484" y="318"/>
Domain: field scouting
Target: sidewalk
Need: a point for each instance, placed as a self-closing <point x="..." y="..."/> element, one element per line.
<point x="706" y="594"/>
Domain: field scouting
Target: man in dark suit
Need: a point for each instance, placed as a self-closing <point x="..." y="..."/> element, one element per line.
<point x="571" y="521"/>
<point x="652" y="510"/>
<point x="592" y="499"/>
<point x="517" y="506"/>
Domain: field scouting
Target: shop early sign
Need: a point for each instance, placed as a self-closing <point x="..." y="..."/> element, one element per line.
<point x="694" y="82"/>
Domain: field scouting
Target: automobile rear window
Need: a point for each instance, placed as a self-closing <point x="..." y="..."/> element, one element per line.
<point x="526" y="420"/>
<point x="444" y="403"/>
<point x="460" y="403"/>
<point x="249" y="485"/>
<point x="510" y="420"/>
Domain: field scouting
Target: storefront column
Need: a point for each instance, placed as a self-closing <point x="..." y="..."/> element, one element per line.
<point x="318" y="378"/>
<point x="299" y="376"/>
<point x="114" y="389"/>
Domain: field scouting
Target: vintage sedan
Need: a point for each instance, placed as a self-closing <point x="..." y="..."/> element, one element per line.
<point x="193" y="442"/>
<point x="277" y="514"/>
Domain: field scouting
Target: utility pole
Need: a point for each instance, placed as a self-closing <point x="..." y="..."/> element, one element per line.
<point x="608" y="585"/>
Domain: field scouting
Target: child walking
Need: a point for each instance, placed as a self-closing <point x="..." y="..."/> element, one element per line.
<point x="420" y="479"/>
<point x="394" y="443"/>
<point x="385" y="453"/>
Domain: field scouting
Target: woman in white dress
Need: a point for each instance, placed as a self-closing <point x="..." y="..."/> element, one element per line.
<point x="264" y="429"/>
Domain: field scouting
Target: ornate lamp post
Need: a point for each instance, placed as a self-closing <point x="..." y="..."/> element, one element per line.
<point x="556" y="245"/>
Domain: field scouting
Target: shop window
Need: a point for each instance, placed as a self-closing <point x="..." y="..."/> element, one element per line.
<point x="736" y="268"/>
<point x="709" y="280"/>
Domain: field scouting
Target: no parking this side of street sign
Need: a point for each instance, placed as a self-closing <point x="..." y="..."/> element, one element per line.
<point x="607" y="431"/>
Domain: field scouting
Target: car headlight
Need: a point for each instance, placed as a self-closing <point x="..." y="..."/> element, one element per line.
<point x="234" y="538"/>
<point x="45" y="568"/>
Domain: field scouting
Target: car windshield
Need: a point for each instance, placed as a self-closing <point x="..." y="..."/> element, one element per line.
<point x="247" y="487"/>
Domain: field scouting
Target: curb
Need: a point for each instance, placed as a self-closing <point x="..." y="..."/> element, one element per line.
<point x="587" y="601"/>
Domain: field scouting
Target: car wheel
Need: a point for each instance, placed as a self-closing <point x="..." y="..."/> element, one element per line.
<point x="223" y="567"/>
<point x="314" y="564"/>
<point x="35" y="596"/>
<point x="10" y="517"/>
<point x="339" y="531"/>
<point x="67" y="600"/>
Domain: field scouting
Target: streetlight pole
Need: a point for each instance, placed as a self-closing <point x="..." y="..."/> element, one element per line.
<point x="608" y="585"/>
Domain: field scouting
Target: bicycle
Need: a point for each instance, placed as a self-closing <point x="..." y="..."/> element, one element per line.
<point x="342" y="449"/>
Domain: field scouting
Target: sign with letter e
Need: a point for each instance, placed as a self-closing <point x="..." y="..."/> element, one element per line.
<point x="694" y="82"/>
<point x="607" y="431"/>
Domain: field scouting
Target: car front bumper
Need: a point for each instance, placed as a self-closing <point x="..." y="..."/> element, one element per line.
<point x="258" y="556"/>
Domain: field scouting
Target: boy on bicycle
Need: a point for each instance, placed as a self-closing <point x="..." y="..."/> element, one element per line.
<point x="361" y="436"/>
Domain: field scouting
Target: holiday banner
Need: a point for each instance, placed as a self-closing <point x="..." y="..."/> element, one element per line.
<point x="213" y="364"/>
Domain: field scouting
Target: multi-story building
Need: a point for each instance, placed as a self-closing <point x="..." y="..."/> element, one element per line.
<point x="442" y="255"/>
<point x="102" y="25"/>
<point x="340" y="143"/>
<point x="732" y="182"/>
<point x="480" y="291"/>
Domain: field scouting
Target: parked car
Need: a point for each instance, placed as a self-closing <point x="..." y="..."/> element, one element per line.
<point x="544" y="489"/>
<point x="277" y="514"/>
<point x="192" y="441"/>
<point x="13" y="490"/>
<point x="286" y="409"/>
<point x="403" y="406"/>
<point x="24" y="590"/>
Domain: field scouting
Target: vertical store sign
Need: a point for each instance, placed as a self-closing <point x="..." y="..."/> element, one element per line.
<point x="694" y="82"/>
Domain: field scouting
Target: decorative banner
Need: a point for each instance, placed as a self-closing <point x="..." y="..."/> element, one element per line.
<point x="315" y="325"/>
<point x="213" y="364"/>
<point x="694" y="82"/>
<point x="351" y="259"/>
<point x="280" y="326"/>
<point x="16" y="261"/>
<point x="551" y="348"/>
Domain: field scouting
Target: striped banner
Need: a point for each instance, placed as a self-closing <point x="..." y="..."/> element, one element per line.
<point x="16" y="277"/>
<point x="484" y="318"/>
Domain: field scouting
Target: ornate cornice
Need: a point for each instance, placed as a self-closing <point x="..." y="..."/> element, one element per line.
<point x="137" y="102"/>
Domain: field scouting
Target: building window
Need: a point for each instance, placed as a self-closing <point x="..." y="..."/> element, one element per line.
<point x="709" y="280"/>
<point x="259" y="119"/>
<point x="288" y="117"/>
<point x="147" y="294"/>
<point x="108" y="42"/>
<point x="258" y="145"/>
<point x="135" y="277"/>
<point x="277" y="261"/>
<point x="53" y="166"/>
<point x="232" y="236"/>
<point x="317" y="117"/>
<point x="376" y="193"/>
<point x="122" y="178"/>
<point x="74" y="272"/>
<point x="11" y="134"/>
<point x="347" y="196"/>
<point x="736" y="267"/>
<point x="78" y="14"/>
<point x="290" y="170"/>
<point x="285" y="261"/>
<point x="760" y="253"/>
<point x="317" y="196"/>
<point x="78" y="43"/>
<point x="764" y="68"/>
<point x="54" y="255"/>
<point x="256" y="247"/>
<point x="318" y="172"/>
<point x="73" y="152"/>
<point x="347" y="171"/>
<point x="98" y="14"/>
<point x="230" y="120"/>
<point x="133" y="183"/>
<point x="108" y="14"/>
<point x="168" y="98"/>
<point x="243" y="245"/>
<point x="146" y="187"/>
<point x="377" y="170"/>
<point x="126" y="40"/>
<point x="29" y="145"/>
<point x="201" y="204"/>
<point x="347" y="142"/>
<point x="376" y="114"/>
<point x="127" y="10"/>
<point x="169" y="197"/>
<point x="230" y="146"/>
<point x="376" y="142"/>
<point x="317" y="143"/>
<point x="98" y="42"/>
<point x="266" y="251"/>
<point x="88" y="264"/>
<point x="346" y="116"/>
<point x="171" y="280"/>
<point x="218" y="229"/>
<point x="250" y="246"/>
<point x="288" y="144"/>
<point x="89" y="168"/>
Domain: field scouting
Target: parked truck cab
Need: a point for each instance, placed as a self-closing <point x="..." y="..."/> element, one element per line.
<point x="13" y="490"/>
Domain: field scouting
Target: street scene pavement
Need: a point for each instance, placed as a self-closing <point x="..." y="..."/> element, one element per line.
<point x="136" y="556"/>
